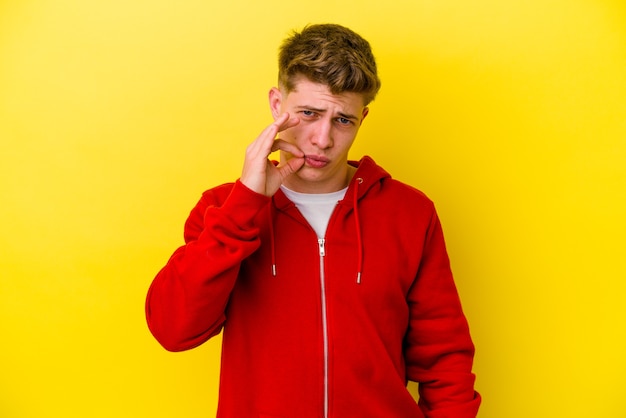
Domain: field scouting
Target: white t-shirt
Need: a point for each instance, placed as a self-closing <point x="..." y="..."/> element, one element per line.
<point x="315" y="207"/>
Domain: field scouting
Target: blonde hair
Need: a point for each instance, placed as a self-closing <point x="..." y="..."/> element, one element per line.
<point x="329" y="54"/>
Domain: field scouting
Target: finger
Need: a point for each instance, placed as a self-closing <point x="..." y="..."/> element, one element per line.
<point x="291" y="166"/>
<point x="282" y="145"/>
<point x="263" y="143"/>
<point x="288" y="123"/>
<point x="281" y="122"/>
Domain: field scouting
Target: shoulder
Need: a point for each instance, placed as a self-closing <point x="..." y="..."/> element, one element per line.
<point x="405" y="198"/>
<point x="389" y="192"/>
<point x="406" y="190"/>
<point x="377" y="177"/>
<point x="215" y="196"/>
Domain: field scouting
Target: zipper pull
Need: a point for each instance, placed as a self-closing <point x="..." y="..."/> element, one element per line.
<point x="321" y="243"/>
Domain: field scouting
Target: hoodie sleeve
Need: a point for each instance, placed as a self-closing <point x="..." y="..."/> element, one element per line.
<point x="439" y="349"/>
<point x="186" y="301"/>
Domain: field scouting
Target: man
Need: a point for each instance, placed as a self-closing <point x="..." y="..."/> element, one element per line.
<point x="330" y="279"/>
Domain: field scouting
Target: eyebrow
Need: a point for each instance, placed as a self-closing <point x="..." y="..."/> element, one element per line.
<point x="341" y="114"/>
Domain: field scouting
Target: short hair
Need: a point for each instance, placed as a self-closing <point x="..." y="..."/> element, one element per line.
<point x="329" y="54"/>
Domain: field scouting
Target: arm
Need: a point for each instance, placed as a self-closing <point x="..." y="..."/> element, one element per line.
<point x="186" y="301"/>
<point x="439" y="348"/>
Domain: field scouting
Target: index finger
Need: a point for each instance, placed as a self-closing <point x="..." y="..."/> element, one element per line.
<point x="264" y="142"/>
<point x="285" y="121"/>
<point x="282" y="145"/>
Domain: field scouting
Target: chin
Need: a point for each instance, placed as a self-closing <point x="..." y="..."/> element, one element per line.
<point x="308" y="175"/>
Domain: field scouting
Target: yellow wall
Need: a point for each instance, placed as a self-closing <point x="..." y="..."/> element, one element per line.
<point x="115" y="115"/>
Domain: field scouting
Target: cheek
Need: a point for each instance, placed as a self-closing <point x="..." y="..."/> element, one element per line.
<point x="293" y="135"/>
<point x="345" y="139"/>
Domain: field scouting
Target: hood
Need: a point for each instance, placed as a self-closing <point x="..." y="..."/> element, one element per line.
<point x="369" y="175"/>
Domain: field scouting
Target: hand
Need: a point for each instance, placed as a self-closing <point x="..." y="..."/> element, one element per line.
<point x="259" y="174"/>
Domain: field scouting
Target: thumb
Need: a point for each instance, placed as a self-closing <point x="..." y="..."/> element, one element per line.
<point x="291" y="166"/>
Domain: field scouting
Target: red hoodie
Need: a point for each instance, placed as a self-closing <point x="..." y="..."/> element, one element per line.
<point x="321" y="328"/>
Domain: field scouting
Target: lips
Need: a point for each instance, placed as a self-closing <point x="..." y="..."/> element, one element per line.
<point x="316" y="161"/>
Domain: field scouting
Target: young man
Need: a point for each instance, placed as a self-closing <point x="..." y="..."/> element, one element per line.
<point x="330" y="279"/>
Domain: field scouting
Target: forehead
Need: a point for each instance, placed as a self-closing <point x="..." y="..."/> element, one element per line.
<point x="306" y="90"/>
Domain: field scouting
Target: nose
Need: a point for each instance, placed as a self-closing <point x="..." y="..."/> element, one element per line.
<point x="322" y="134"/>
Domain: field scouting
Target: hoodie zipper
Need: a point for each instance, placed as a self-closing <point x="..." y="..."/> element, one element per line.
<point x="322" y="250"/>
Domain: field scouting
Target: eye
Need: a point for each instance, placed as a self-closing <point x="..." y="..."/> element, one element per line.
<point x="308" y="113"/>
<point x="344" y="121"/>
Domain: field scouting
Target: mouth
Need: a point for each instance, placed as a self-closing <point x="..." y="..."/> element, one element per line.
<point x="316" y="161"/>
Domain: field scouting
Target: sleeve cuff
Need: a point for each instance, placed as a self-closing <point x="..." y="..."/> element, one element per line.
<point x="243" y="204"/>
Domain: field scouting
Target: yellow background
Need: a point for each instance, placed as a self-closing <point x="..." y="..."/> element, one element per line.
<point x="115" y="115"/>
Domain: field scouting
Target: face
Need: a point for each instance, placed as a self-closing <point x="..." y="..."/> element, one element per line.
<point x="328" y="125"/>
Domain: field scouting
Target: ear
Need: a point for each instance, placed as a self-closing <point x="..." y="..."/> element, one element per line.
<point x="276" y="101"/>
<point x="366" y="111"/>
